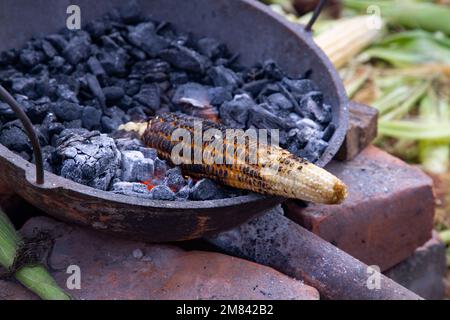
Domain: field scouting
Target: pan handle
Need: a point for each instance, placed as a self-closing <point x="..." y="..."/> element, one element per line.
<point x="26" y="122"/>
<point x="315" y="15"/>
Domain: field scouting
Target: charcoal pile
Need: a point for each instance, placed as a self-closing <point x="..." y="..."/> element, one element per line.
<point x="77" y="87"/>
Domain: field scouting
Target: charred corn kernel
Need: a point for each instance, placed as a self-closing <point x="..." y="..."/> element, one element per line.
<point x="276" y="171"/>
<point x="342" y="42"/>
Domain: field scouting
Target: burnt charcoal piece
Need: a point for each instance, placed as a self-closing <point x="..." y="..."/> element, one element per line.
<point x="63" y="92"/>
<point x="95" y="88"/>
<point x="6" y="112"/>
<point x="235" y="113"/>
<point x="137" y="114"/>
<point x="149" y="96"/>
<point x="260" y="117"/>
<point x="160" y="168"/>
<point x="25" y="86"/>
<point x="58" y="41"/>
<point x="113" y="94"/>
<point x="78" y="49"/>
<point x="95" y="67"/>
<point x="280" y="101"/>
<point x="135" y="167"/>
<point x="206" y="189"/>
<point x="148" y="153"/>
<point x="129" y="144"/>
<point x="112" y="119"/>
<point x="313" y="150"/>
<point x="114" y="61"/>
<point x="155" y="70"/>
<point x="183" y="193"/>
<point x="224" y="77"/>
<point x="300" y="87"/>
<point x="219" y="95"/>
<point x="185" y="59"/>
<point x="162" y="192"/>
<point x="13" y="136"/>
<point x="273" y="71"/>
<point x="178" y="78"/>
<point x="48" y="49"/>
<point x="174" y="179"/>
<point x="90" y="159"/>
<point x="194" y="99"/>
<point x="144" y="36"/>
<point x="8" y="58"/>
<point x="311" y="107"/>
<point x="53" y="130"/>
<point x="67" y="111"/>
<point x="132" y="189"/>
<point x="30" y="57"/>
<point x="255" y="87"/>
<point x="211" y="48"/>
<point x="38" y="113"/>
<point x="90" y="118"/>
<point x="132" y="87"/>
<point x="57" y="62"/>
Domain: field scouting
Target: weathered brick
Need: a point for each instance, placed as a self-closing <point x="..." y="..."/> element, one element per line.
<point x="114" y="268"/>
<point x="388" y="214"/>
<point x="423" y="272"/>
<point x="362" y="129"/>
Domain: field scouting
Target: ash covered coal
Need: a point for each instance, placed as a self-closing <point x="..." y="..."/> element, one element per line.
<point x="77" y="87"/>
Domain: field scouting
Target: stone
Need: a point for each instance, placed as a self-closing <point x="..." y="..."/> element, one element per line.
<point x="424" y="271"/>
<point x="110" y="270"/>
<point x="387" y="215"/>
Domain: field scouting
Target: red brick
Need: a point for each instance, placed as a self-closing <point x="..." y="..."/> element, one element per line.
<point x="388" y="214"/>
<point x="423" y="272"/>
<point x="362" y="129"/>
<point x="119" y="269"/>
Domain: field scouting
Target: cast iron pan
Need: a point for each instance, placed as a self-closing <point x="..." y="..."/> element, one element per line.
<point x="246" y="27"/>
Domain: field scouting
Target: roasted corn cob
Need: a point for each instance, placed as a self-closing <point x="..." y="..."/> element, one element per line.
<point x="293" y="177"/>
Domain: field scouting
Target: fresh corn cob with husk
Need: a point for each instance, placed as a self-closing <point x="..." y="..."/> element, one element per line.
<point x="293" y="177"/>
<point x="342" y="42"/>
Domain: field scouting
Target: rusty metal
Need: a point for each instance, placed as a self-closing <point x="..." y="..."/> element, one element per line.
<point x="315" y="15"/>
<point x="274" y="240"/>
<point x="241" y="24"/>
<point x="29" y="129"/>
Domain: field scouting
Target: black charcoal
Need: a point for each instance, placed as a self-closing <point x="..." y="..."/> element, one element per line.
<point x="149" y="96"/>
<point x="186" y="59"/>
<point x="135" y="189"/>
<point x="206" y="189"/>
<point x="162" y="192"/>
<point x="67" y="111"/>
<point x="235" y="113"/>
<point x="135" y="167"/>
<point x="91" y="159"/>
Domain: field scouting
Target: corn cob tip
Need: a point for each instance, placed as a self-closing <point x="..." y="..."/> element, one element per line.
<point x="340" y="193"/>
<point x="138" y="127"/>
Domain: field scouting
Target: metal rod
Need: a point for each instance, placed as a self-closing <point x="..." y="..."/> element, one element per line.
<point x="274" y="240"/>
<point x="6" y="97"/>
<point x="315" y="15"/>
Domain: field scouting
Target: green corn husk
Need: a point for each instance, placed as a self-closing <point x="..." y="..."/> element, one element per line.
<point x="411" y="48"/>
<point x="35" y="278"/>
<point x="434" y="156"/>
<point x="410" y="14"/>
